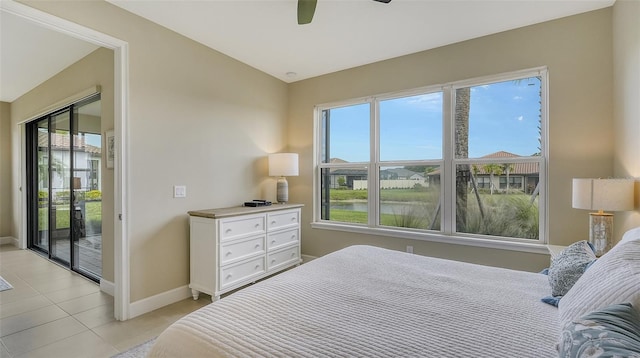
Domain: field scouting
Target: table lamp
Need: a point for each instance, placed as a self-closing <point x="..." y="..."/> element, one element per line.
<point x="601" y="195"/>
<point x="281" y="165"/>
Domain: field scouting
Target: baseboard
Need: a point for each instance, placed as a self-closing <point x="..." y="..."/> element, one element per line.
<point x="8" y="240"/>
<point x="160" y="300"/>
<point x="307" y="258"/>
<point x="108" y="287"/>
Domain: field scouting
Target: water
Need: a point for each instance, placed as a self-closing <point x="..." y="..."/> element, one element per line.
<point x="385" y="208"/>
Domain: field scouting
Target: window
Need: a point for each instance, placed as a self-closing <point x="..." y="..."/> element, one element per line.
<point x="462" y="160"/>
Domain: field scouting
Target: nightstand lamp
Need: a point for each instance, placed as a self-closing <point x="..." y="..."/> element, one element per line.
<point x="281" y="165"/>
<point x="601" y="195"/>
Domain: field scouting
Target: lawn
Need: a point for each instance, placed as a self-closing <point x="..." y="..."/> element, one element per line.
<point x="510" y="215"/>
<point x="93" y="210"/>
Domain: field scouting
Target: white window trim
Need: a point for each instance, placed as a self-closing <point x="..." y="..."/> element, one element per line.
<point x="448" y="164"/>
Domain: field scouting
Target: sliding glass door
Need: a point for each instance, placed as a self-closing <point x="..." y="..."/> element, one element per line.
<point x="64" y="191"/>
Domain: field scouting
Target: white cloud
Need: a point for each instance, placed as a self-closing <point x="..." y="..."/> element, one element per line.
<point x="517" y="98"/>
<point x="520" y="118"/>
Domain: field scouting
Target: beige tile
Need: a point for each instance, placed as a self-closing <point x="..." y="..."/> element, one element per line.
<point x="56" y="282"/>
<point x="79" y="290"/>
<point x="117" y="332"/>
<point x="40" y="336"/>
<point x="175" y="311"/>
<point x="30" y="319"/>
<point x="128" y="343"/>
<point x="87" y="302"/>
<point x="85" y="344"/>
<point x="96" y="316"/>
<point x="22" y="306"/>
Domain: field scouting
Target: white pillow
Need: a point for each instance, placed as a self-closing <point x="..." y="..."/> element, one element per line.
<point x="633" y="234"/>
<point x="614" y="278"/>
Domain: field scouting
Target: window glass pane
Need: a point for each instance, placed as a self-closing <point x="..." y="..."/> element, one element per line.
<point x="411" y="128"/>
<point x="344" y="195"/>
<point x="486" y="206"/>
<point x="502" y="117"/>
<point x="346" y="134"/>
<point x="410" y="197"/>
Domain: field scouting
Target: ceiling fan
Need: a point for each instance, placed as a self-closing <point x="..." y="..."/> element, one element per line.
<point x="306" y="9"/>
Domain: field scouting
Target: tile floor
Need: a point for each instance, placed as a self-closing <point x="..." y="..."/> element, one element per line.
<point x="52" y="312"/>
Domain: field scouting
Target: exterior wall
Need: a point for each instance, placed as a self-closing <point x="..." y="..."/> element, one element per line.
<point x="196" y="118"/>
<point x="578" y="53"/>
<point x="626" y="95"/>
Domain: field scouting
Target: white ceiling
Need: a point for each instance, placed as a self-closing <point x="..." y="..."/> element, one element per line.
<point x="31" y="54"/>
<point x="265" y="35"/>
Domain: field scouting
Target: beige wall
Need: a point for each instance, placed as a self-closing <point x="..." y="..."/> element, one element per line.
<point x="577" y="51"/>
<point x="6" y="213"/>
<point x="96" y="69"/>
<point x="196" y="118"/>
<point x="626" y="95"/>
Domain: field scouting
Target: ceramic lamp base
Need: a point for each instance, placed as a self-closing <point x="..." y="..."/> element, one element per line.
<point x="600" y="232"/>
<point x="282" y="190"/>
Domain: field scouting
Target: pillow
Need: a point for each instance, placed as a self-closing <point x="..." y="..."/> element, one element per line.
<point x="614" y="278"/>
<point x="633" y="234"/>
<point x="611" y="332"/>
<point x="568" y="266"/>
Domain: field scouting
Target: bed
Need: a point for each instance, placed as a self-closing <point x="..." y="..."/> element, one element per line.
<point x="365" y="301"/>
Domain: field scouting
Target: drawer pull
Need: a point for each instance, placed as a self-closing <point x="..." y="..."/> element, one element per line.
<point x="273" y="241"/>
<point x="293" y="218"/>
<point x="273" y="261"/>
<point x="257" y="225"/>
<point x="293" y="254"/>
<point x="257" y="266"/>
<point x="257" y="246"/>
<point x="228" y="253"/>
<point x="293" y="236"/>
<point x="273" y="222"/>
<point x="228" y="231"/>
<point x="228" y="276"/>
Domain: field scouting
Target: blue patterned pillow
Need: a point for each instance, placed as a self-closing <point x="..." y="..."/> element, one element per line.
<point x="568" y="266"/>
<point x="611" y="332"/>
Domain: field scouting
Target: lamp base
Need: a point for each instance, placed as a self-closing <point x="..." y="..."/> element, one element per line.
<point x="600" y="232"/>
<point x="282" y="190"/>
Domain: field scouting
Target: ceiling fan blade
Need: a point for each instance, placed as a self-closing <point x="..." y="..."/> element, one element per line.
<point x="306" y="8"/>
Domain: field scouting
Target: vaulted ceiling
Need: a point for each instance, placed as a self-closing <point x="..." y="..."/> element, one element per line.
<point x="265" y="35"/>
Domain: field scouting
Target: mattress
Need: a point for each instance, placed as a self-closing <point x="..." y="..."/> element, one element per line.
<point x="365" y="301"/>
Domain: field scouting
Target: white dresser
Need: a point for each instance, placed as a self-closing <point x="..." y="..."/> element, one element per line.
<point x="232" y="247"/>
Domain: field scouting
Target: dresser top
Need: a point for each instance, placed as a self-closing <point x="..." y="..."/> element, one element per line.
<point x="241" y="210"/>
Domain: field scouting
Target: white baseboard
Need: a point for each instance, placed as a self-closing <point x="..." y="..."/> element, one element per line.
<point x="108" y="287"/>
<point x="160" y="300"/>
<point x="307" y="258"/>
<point x="8" y="240"/>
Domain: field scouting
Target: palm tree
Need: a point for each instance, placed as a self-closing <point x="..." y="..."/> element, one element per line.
<point x="463" y="101"/>
<point x="492" y="168"/>
<point x="507" y="168"/>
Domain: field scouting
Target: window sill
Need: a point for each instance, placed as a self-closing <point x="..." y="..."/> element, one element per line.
<point x="537" y="247"/>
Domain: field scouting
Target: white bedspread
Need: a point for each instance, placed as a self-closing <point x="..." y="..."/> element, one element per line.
<point x="365" y="301"/>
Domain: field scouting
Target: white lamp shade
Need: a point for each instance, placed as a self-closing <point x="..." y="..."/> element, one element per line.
<point x="603" y="194"/>
<point x="283" y="164"/>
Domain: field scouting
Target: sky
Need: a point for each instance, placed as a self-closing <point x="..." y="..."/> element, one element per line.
<point x="502" y="116"/>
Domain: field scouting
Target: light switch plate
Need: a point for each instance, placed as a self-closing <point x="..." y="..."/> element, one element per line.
<point x="179" y="191"/>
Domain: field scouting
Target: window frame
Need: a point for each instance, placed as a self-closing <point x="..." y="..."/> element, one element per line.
<point x="447" y="163"/>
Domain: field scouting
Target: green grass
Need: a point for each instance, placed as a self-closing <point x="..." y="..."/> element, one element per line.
<point x="93" y="210"/>
<point x="509" y="215"/>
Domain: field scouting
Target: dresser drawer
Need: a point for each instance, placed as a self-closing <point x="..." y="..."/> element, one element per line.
<point x="282" y="238"/>
<point x="231" y="251"/>
<point x="283" y="219"/>
<point x="241" y="226"/>
<point x="282" y="258"/>
<point x="242" y="272"/>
